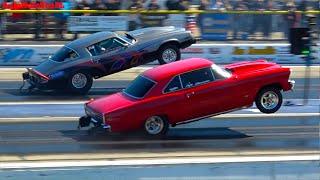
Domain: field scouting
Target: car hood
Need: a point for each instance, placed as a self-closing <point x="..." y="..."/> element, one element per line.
<point x="110" y="103"/>
<point x="48" y="67"/>
<point x="152" y="32"/>
<point x="249" y="66"/>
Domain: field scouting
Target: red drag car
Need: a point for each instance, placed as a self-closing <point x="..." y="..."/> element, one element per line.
<point x="186" y="91"/>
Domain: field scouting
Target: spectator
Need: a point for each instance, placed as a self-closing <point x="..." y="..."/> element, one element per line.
<point x="98" y="5"/>
<point x="219" y="5"/>
<point x="134" y="18"/>
<point x="204" y="5"/>
<point x="292" y="18"/>
<point x="113" y="5"/>
<point x="153" y="5"/>
<point x="177" y="5"/>
<point x="61" y="18"/>
<point x="1" y="20"/>
<point x="261" y="21"/>
<point x="239" y="20"/>
<point x="83" y="5"/>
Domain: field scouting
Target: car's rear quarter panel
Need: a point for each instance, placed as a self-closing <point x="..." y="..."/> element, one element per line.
<point x="252" y="81"/>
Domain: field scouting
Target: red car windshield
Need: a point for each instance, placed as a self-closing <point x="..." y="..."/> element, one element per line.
<point x="139" y="87"/>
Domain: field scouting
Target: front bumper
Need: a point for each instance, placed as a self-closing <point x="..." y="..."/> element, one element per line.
<point x="188" y="43"/>
<point x="85" y="121"/>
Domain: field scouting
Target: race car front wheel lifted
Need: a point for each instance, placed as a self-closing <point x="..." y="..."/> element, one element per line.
<point x="269" y="100"/>
<point x="168" y="54"/>
<point x="80" y="82"/>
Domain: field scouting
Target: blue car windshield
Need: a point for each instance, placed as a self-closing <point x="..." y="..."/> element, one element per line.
<point x="139" y="87"/>
<point x="63" y="54"/>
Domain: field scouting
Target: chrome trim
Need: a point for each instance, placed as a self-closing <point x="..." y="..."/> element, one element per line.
<point x="292" y="83"/>
<point x="105" y="126"/>
<point x="215" y="114"/>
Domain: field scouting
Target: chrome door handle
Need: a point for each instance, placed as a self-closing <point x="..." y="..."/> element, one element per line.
<point x="188" y="95"/>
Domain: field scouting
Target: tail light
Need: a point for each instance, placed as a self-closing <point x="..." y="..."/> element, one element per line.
<point x="41" y="75"/>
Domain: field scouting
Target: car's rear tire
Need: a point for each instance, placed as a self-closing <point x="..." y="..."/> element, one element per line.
<point x="269" y="100"/>
<point x="80" y="82"/>
<point x="168" y="53"/>
<point x="156" y="126"/>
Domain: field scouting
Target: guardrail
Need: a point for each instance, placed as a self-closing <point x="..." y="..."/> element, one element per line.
<point x="160" y="11"/>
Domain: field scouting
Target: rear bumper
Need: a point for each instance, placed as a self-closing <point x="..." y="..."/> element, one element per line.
<point x="36" y="81"/>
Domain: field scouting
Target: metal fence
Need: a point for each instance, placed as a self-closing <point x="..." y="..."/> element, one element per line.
<point x="207" y="25"/>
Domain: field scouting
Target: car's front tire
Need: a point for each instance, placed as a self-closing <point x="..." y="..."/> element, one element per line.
<point x="156" y="126"/>
<point x="80" y="82"/>
<point x="269" y="100"/>
<point x="168" y="53"/>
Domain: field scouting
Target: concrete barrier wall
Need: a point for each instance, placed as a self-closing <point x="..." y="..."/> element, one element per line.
<point x="31" y="55"/>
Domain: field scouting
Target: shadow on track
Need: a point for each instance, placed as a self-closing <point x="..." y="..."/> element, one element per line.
<point x="95" y="134"/>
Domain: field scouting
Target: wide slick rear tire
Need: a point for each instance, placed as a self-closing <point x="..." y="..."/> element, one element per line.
<point x="79" y="82"/>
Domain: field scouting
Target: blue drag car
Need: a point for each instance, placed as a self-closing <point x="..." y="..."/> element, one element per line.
<point x="76" y="64"/>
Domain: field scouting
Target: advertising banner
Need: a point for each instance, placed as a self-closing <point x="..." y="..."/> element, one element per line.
<point x="230" y="53"/>
<point x="24" y="55"/>
<point x="214" y="26"/>
<point x="176" y="20"/>
<point x="152" y="20"/>
<point x="97" y="23"/>
<point x="29" y="55"/>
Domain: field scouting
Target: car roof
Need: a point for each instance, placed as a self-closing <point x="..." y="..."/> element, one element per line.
<point x="90" y="39"/>
<point x="170" y="70"/>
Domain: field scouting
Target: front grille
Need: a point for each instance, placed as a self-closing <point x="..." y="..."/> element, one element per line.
<point x="95" y="115"/>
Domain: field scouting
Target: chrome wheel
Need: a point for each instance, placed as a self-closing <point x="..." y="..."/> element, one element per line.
<point x="169" y="55"/>
<point x="154" y="125"/>
<point x="79" y="80"/>
<point x="269" y="100"/>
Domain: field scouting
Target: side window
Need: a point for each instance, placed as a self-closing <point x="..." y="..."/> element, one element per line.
<point x="173" y="85"/>
<point x="196" y="77"/>
<point x="64" y="54"/>
<point x="105" y="46"/>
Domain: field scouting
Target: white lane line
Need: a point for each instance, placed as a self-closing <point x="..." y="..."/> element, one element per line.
<point x="131" y="70"/>
<point x="42" y="103"/>
<point x="162" y="161"/>
<point x="194" y="45"/>
<point x="311" y="101"/>
<point x="75" y="118"/>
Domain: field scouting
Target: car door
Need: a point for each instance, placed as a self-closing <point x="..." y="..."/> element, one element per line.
<point x="206" y="94"/>
<point x="111" y="53"/>
<point x="197" y="92"/>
